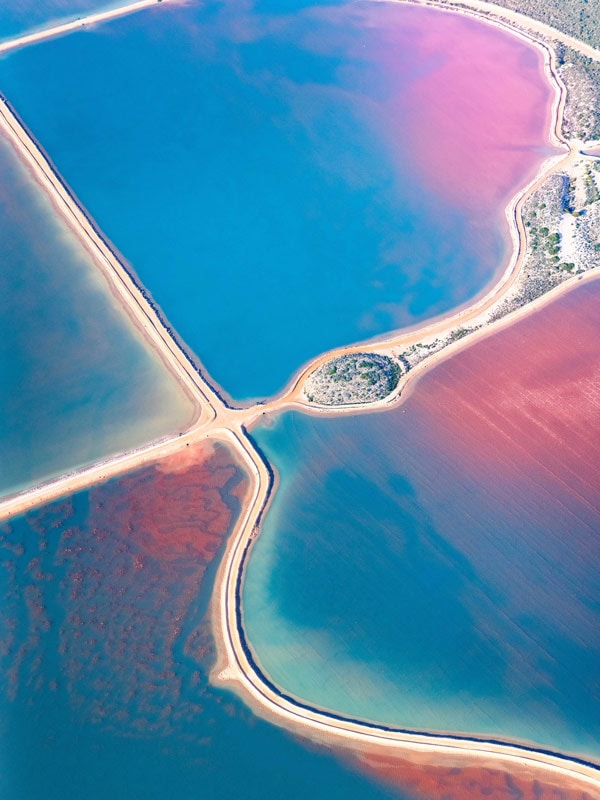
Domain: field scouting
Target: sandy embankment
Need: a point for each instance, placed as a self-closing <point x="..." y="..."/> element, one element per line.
<point x="76" y="24"/>
<point x="236" y="666"/>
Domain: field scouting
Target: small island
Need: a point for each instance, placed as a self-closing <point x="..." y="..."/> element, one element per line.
<point x="353" y="378"/>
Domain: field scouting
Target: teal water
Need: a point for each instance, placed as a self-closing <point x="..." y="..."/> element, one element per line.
<point x="77" y="383"/>
<point x="253" y="163"/>
<point x="23" y="16"/>
<point x="392" y="583"/>
<point x="100" y="698"/>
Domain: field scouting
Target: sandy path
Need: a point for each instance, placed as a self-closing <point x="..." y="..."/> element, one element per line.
<point x="76" y="24"/>
<point x="236" y="668"/>
<point x="475" y="313"/>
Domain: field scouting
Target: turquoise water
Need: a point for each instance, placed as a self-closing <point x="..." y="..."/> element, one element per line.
<point x="248" y="163"/>
<point x="22" y="16"/>
<point x="392" y="583"/>
<point x="76" y="382"/>
<point x="98" y="697"/>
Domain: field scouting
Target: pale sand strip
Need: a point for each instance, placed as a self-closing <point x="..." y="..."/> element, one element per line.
<point x="229" y="425"/>
<point x="76" y="24"/>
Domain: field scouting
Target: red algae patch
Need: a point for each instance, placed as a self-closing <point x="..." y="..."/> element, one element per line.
<point x="175" y="509"/>
<point x="111" y="582"/>
<point x="451" y="779"/>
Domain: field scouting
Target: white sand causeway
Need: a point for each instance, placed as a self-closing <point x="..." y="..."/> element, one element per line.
<point x="76" y="24"/>
<point x="215" y="420"/>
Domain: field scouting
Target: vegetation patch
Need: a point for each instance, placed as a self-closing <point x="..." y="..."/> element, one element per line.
<point x="581" y="76"/>
<point x="578" y="18"/>
<point x="562" y="220"/>
<point x="352" y="379"/>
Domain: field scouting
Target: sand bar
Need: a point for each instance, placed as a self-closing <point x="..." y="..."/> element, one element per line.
<point x="76" y="25"/>
<point x="236" y="667"/>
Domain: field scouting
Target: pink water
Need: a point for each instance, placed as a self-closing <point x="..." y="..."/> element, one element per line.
<point x="466" y="136"/>
<point x="473" y="135"/>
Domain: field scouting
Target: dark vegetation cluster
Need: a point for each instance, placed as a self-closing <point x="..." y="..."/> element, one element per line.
<point x="546" y="265"/>
<point x="422" y="350"/>
<point x="543" y="269"/>
<point x="353" y="378"/>
<point x="581" y="76"/>
<point x="542" y="218"/>
<point x="578" y="18"/>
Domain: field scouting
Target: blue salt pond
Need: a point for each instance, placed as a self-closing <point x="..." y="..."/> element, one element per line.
<point x="77" y="383"/>
<point x="265" y="171"/>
